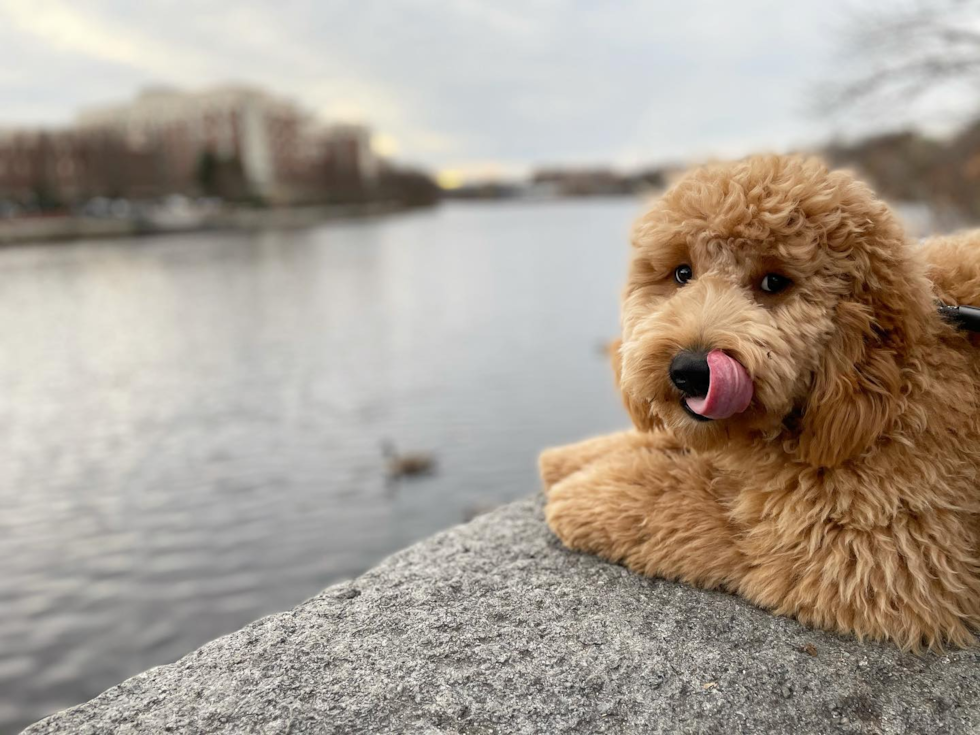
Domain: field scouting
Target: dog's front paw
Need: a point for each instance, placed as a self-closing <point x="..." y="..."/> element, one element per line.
<point x="559" y="463"/>
<point x="555" y="465"/>
<point x="571" y="515"/>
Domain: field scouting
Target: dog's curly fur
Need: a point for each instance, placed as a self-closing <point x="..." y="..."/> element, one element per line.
<point x="848" y="493"/>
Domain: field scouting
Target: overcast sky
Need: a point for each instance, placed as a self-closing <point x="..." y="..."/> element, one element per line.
<point x="478" y="86"/>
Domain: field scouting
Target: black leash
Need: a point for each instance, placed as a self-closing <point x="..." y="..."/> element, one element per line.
<point x="961" y="317"/>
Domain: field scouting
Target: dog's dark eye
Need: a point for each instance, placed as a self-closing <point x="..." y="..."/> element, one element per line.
<point x="774" y="283"/>
<point x="683" y="274"/>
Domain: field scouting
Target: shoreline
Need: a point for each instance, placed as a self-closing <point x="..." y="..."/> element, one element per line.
<point x="70" y="228"/>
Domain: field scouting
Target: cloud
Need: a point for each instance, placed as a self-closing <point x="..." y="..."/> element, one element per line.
<point x="493" y="16"/>
<point x="506" y="84"/>
<point x="66" y="28"/>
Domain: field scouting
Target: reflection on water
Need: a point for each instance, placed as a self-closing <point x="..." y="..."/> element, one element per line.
<point x="191" y="426"/>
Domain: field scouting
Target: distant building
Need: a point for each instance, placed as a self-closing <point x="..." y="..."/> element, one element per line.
<point x="234" y="142"/>
<point x="37" y="166"/>
<point x="349" y="149"/>
<point x="581" y="182"/>
<point x="264" y="135"/>
<point x="52" y="168"/>
<point x="348" y="164"/>
<point x="21" y="170"/>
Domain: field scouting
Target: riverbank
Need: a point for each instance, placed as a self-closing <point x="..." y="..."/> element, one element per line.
<point x="24" y="230"/>
<point x="493" y="627"/>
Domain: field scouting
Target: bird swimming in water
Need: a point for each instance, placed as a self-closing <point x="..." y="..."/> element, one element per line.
<point x="412" y="464"/>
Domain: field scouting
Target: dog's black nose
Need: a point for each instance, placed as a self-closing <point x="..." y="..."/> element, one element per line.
<point x="690" y="373"/>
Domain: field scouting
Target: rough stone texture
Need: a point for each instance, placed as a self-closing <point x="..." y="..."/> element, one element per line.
<point x="492" y="627"/>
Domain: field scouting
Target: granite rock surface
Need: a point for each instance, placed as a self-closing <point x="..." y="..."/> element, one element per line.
<point x="493" y="627"/>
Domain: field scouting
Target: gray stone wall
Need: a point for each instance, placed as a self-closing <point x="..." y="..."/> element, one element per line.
<point x="493" y="627"/>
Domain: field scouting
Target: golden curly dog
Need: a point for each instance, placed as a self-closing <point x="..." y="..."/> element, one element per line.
<point x="808" y="427"/>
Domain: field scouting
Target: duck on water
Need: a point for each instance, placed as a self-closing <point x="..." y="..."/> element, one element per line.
<point x="408" y="464"/>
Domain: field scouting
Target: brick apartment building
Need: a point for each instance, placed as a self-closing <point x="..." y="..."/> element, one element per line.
<point x="48" y="167"/>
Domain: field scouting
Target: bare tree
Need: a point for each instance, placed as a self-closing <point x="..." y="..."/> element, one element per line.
<point x="901" y="50"/>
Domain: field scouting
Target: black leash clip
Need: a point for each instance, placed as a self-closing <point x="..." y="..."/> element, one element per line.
<point x="961" y="317"/>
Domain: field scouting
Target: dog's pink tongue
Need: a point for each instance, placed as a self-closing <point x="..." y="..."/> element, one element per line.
<point x="729" y="388"/>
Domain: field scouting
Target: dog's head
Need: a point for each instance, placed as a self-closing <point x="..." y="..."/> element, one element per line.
<point x="770" y="298"/>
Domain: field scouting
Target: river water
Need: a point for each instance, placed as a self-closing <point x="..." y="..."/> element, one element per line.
<point x="191" y="426"/>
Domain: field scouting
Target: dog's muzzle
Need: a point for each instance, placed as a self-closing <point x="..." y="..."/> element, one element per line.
<point x="714" y="385"/>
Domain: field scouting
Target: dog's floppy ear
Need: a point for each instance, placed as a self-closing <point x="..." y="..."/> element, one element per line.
<point x="638" y="411"/>
<point x="855" y="392"/>
<point x="857" y="389"/>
